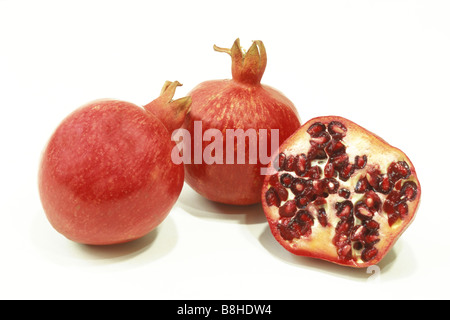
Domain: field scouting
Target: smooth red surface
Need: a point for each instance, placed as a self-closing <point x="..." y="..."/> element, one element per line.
<point x="228" y="104"/>
<point x="106" y="175"/>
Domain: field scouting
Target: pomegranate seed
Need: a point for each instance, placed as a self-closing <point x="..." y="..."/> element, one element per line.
<point x="303" y="217"/>
<point x="335" y="148"/>
<point x="372" y="201"/>
<point x="300" y="164"/>
<point x="360" y="162"/>
<point x="298" y="186"/>
<point x="316" y="153"/>
<point x="272" y="198"/>
<point x="301" y="201"/>
<point x="273" y="179"/>
<point x="372" y="238"/>
<point x="392" y="218"/>
<point x="282" y="193"/>
<point x="362" y="185"/>
<point x="372" y="225"/>
<point x="315" y="172"/>
<point x="320" y="140"/>
<point x="280" y="162"/>
<point x="346" y="172"/>
<point x="344" y="193"/>
<point x="340" y="161"/>
<point x="337" y="129"/>
<point x="369" y="253"/>
<point x="315" y="129"/>
<point x="344" y="209"/>
<point x="409" y="190"/>
<point x="322" y="217"/>
<point x="358" y="233"/>
<point x="328" y="170"/>
<point x="343" y="227"/>
<point x="373" y="177"/>
<point x="398" y="170"/>
<point x="331" y="185"/>
<point x="290" y="163"/>
<point x="288" y="209"/>
<point x="345" y="252"/>
<point x="385" y="185"/>
<point x="402" y="209"/>
<point x="286" y="180"/>
<point x="362" y="212"/>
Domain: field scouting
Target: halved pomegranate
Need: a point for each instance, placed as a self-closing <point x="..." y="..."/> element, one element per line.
<point x="340" y="193"/>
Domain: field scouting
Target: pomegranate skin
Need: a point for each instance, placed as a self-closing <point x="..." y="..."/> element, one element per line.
<point x="238" y="103"/>
<point x="106" y="174"/>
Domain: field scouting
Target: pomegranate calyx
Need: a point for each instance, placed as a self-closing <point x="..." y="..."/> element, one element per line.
<point x="247" y="67"/>
<point x="170" y="112"/>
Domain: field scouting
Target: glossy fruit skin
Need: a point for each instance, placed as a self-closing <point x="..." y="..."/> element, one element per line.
<point x="238" y="103"/>
<point x="106" y="174"/>
<point x="318" y="243"/>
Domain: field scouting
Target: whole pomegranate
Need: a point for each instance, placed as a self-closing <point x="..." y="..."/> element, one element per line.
<point x="106" y="174"/>
<point x="340" y="193"/>
<point x="246" y="108"/>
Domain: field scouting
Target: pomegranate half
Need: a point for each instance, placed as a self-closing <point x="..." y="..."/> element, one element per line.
<point x="240" y="103"/>
<point x="106" y="174"/>
<point x="340" y="193"/>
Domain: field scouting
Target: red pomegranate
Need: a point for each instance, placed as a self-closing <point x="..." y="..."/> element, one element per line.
<point x="106" y="174"/>
<point x="224" y="106"/>
<point x="340" y="193"/>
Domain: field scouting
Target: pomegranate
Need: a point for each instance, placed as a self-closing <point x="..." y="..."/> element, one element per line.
<point x="106" y="174"/>
<point x="241" y="103"/>
<point x="340" y="193"/>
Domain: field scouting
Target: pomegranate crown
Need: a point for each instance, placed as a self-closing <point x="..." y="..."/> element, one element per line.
<point x="170" y="112"/>
<point x="247" y="67"/>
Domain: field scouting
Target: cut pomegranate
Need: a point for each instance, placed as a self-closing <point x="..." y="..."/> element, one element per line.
<point x="348" y="194"/>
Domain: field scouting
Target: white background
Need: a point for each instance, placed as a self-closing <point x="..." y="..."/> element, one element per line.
<point x="383" y="64"/>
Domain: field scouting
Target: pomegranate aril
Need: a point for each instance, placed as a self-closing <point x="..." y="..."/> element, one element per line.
<point x="402" y="209"/>
<point x="398" y="170"/>
<point x="371" y="238"/>
<point x="358" y="233"/>
<point x="372" y="201"/>
<point x="390" y="202"/>
<point x="288" y="209"/>
<point x="301" y="201"/>
<point x="316" y="153"/>
<point x="369" y="253"/>
<point x="392" y="218"/>
<point x="301" y="164"/>
<point x="286" y="180"/>
<point x="304" y="217"/>
<point x="282" y="193"/>
<point x="362" y="212"/>
<point x="360" y="162"/>
<point x="344" y="209"/>
<point x="372" y="225"/>
<point x="280" y="162"/>
<point x="322" y="217"/>
<point x="320" y="140"/>
<point x="316" y="128"/>
<point x="345" y="252"/>
<point x="328" y="170"/>
<point x="362" y="185"/>
<point x="339" y="161"/>
<point x="272" y="198"/>
<point x="343" y="227"/>
<point x="287" y="232"/>
<point x="337" y="129"/>
<point x="335" y="148"/>
<point x="314" y="172"/>
<point x="289" y="163"/>
<point x="346" y="171"/>
<point x="409" y="190"/>
<point x="298" y="186"/>
<point x="344" y="193"/>
<point x="331" y="185"/>
<point x="385" y="185"/>
<point x="373" y="177"/>
<point x="273" y="180"/>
